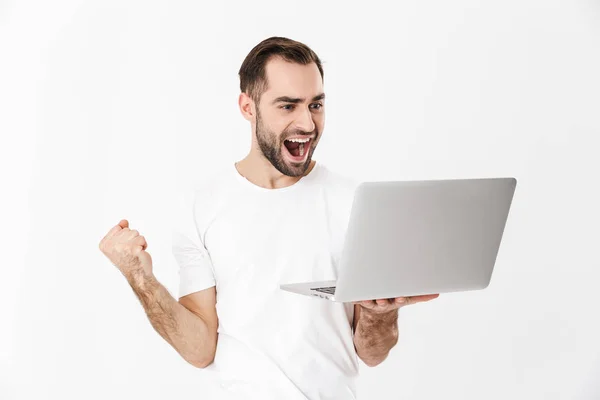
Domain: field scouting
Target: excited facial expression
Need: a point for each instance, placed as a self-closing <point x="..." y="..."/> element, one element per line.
<point x="290" y="116"/>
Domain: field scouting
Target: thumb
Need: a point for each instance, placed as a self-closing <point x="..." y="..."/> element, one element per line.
<point x="124" y="223"/>
<point x="145" y="258"/>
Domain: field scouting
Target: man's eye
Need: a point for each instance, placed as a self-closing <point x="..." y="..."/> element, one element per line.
<point x="289" y="107"/>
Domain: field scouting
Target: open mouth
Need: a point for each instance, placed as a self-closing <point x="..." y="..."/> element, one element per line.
<point x="297" y="149"/>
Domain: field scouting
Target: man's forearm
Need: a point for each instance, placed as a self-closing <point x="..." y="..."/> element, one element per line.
<point x="375" y="335"/>
<point x="189" y="334"/>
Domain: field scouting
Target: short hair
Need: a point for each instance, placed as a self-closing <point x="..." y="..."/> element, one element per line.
<point x="253" y="80"/>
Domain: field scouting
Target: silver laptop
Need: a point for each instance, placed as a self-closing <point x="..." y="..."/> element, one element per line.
<point x="418" y="237"/>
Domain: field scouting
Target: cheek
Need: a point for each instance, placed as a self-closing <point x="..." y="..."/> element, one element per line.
<point x="320" y="122"/>
<point x="319" y="127"/>
<point x="277" y="124"/>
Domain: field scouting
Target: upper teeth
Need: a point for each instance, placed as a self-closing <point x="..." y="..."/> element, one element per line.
<point x="299" y="140"/>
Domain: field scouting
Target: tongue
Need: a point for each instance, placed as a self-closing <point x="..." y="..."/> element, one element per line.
<point x="292" y="145"/>
<point x="293" y="148"/>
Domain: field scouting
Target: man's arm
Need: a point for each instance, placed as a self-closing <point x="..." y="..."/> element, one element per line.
<point x="190" y="326"/>
<point x="374" y="334"/>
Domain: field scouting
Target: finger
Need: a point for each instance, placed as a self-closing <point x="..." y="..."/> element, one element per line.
<point x="407" y="300"/>
<point x="141" y="240"/>
<point x="115" y="229"/>
<point x="368" y="303"/>
<point x="129" y="234"/>
<point x="136" y="249"/>
<point x="426" y="297"/>
<point x="404" y="301"/>
<point x="382" y="302"/>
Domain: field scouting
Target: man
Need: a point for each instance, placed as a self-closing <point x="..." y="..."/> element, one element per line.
<point x="276" y="216"/>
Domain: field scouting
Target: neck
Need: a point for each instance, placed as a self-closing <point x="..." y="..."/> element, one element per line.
<point x="261" y="172"/>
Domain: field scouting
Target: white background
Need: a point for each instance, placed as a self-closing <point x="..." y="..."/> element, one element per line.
<point x="109" y="108"/>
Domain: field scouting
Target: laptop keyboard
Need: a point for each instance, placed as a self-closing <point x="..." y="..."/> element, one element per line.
<point x="328" y="290"/>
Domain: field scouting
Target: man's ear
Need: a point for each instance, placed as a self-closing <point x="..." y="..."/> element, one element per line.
<point x="247" y="107"/>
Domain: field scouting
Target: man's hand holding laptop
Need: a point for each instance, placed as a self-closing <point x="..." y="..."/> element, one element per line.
<point x="383" y="306"/>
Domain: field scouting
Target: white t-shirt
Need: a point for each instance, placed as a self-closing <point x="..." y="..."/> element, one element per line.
<point x="248" y="240"/>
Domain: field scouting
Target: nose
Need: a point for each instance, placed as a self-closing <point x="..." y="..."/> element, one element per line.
<point x="305" y="121"/>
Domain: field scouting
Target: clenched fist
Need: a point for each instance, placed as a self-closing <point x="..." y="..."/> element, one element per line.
<point x="126" y="249"/>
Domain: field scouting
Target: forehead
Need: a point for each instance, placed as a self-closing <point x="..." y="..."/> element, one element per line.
<point x="291" y="79"/>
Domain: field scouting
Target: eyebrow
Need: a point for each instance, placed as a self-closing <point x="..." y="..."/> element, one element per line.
<point x="296" y="100"/>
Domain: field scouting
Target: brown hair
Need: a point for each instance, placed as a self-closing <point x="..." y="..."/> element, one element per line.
<point x="253" y="80"/>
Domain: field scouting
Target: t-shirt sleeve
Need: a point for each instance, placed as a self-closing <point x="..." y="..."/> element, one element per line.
<point x="195" y="266"/>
